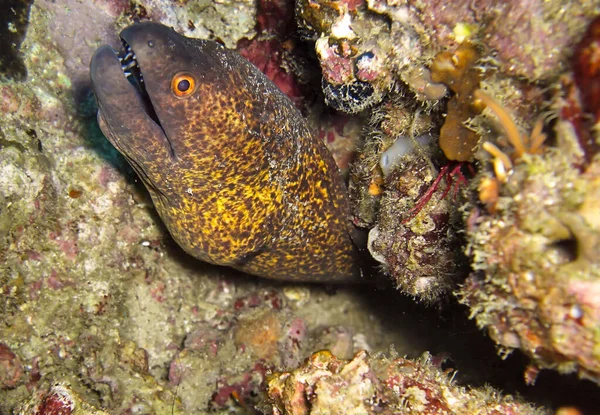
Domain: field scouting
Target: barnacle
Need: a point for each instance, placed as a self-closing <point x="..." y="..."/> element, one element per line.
<point x="522" y="144"/>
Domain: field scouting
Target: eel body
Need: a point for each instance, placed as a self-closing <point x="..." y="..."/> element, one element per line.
<point x="232" y="167"/>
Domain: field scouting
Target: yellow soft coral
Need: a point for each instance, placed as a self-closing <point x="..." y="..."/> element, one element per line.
<point x="457" y="70"/>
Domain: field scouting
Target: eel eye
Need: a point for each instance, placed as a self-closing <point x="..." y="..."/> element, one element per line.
<point x="183" y="84"/>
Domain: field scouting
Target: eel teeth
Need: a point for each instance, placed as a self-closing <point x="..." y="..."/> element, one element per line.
<point x="128" y="55"/>
<point x="127" y="58"/>
<point x="128" y="65"/>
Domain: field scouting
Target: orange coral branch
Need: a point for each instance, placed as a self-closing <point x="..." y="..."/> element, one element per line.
<point x="502" y="163"/>
<point x="512" y="132"/>
<point x="537" y="137"/>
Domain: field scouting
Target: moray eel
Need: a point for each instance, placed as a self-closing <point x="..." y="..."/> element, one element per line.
<point x="232" y="167"/>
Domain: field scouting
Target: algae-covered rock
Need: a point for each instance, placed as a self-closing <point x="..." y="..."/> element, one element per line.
<point x="95" y="295"/>
<point x="325" y="384"/>
<point x="58" y="399"/>
<point x="535" y="241"/>
<point x="100" y="309"/>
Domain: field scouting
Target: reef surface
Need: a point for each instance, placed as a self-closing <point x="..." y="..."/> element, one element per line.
<point x="101" y="312"/>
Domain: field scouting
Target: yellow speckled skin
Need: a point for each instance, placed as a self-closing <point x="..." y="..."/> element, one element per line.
<point x="233" y="170"/>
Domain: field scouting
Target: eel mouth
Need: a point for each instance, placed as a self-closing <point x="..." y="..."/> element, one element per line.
<point x="133" y="73"/>
<point x="129" y="63"/>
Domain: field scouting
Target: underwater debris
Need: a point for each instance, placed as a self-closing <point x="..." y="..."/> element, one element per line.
<point x="381" y="385"/>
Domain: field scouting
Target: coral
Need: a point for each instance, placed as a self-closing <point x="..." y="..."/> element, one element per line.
<point x="457" y="70"/>
<point x="394" y="118"/>
<point x="271" y="50"/>
<point x="531" y="237"/>
<point x="420" y="82"/>
<point x="275" y="51"/>
<point x="529" y="39"/>
<point x="341" y="134"/>
<point x="535" y="245"/>
<point x="532" y="261"/>
<point x="414" y="242"/>
<point x="60" y="399"/>
<point x="582" y="100"/>
<point x="93" y="291"/>
<point x="351" y="82"/>
<point x="98" y="304"/>
<point x="403" y="145"/>
<point x="260" y="334"/>
<point x="11" y="368"/>
<point x="395" y="188"/>
<point x="381" y="385"/>
<point x="228" y="21"/>
<point x="522" y="144"/>
<point x="360" y="57"/>
<point x="586" y="69"/>
<point x="256" y="334"/>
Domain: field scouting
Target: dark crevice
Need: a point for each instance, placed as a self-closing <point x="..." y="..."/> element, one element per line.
<point x="13" y="27"/>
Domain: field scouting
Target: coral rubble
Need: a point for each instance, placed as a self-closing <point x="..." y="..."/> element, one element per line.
<point x="325" y="384"/>
<point x="59" y="399"/>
